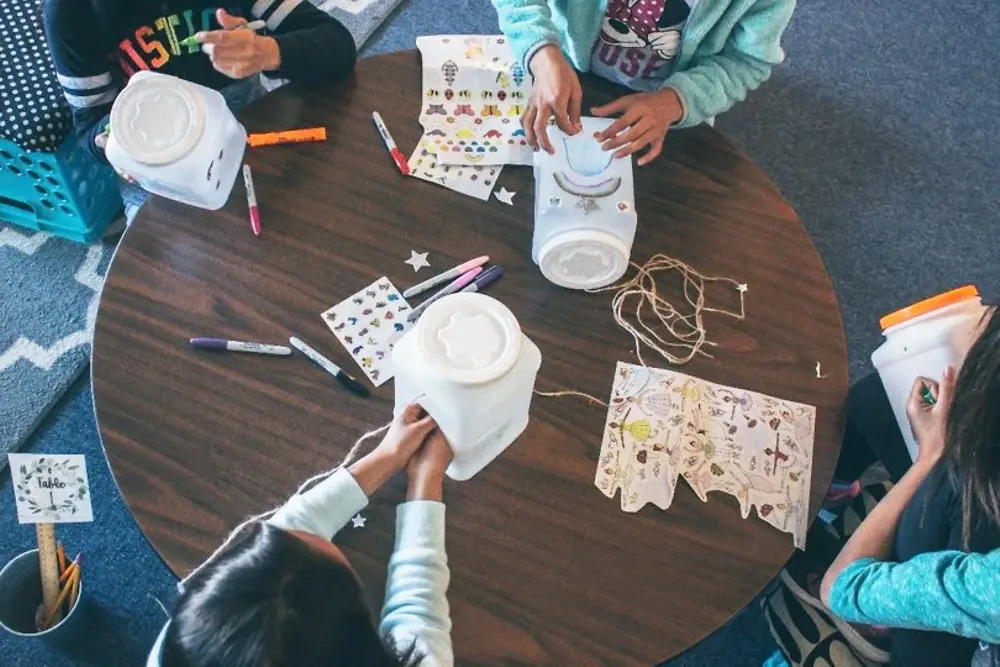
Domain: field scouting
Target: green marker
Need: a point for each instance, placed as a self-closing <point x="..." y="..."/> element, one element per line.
<point x="928" y="397"/>
<point x="189" y="41"/>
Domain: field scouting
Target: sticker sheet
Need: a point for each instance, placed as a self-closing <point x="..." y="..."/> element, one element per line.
<point x="474" y="93"/>
<point x="51" y="488"/>
<point x="663" y="425"/>
<point x="475" y="182"/>
<point x="368" y="324"/>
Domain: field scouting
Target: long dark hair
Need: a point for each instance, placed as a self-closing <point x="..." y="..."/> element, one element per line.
<point x="972" y="435"/>
<point x="269" y="599"/>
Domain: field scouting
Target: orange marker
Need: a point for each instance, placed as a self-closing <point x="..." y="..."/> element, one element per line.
<point x="287" y="137"/>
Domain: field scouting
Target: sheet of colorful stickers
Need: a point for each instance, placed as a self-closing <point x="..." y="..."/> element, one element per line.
<point x="368" y="324"/>
<point x="474" y="93"/>
<point x="663" y="425"/>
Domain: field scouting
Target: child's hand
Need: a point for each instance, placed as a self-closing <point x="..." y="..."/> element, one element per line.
<point x="929" y="419"/>
<point x="556" y="93"/>
<point x="426" y="469"/>
<point x="645" y="119"/>
<point x="406" y="434"/>
<point x="237" y="52"/>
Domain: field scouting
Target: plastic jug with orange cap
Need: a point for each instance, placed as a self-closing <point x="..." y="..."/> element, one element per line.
<point x="920" y="340"/>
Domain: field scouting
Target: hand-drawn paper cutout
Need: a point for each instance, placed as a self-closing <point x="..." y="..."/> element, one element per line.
<point x="506" y="196"/>
<point x="51" y="488"/>
<point x="418" y="260"/>
<point x="368" y="324"/>
<point x="663" y="424"/>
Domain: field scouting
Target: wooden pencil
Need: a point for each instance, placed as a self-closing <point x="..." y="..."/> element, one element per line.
<point x="50" y="614"/>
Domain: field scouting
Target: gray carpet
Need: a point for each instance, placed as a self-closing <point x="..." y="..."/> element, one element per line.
<point x="880" y="129"/>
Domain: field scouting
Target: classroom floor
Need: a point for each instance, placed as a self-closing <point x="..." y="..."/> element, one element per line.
<point x="880" y="129"/>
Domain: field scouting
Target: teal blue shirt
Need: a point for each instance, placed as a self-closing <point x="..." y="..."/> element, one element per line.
<point x="727" y="49"/>
<point x="949" y="591"/>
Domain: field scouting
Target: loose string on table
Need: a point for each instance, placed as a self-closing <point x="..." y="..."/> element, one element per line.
<point x="687" y="329"/>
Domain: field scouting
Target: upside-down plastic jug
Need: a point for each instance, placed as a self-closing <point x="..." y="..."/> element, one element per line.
<point x="473" y="370"/>
<point x="920" y="340"/>
<point x="585" y="216"/>
<point x="176" y="139"/>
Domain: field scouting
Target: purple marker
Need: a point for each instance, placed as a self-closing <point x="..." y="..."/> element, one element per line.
<point x="238" y="346"/>
<point x="485" y="279"/>
<point x="453" y="286"/>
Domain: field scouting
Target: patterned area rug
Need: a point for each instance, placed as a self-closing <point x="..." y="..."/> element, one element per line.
<point x="50" y="288"/>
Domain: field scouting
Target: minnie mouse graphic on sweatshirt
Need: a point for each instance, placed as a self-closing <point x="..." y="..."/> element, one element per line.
<point x="639" y="40"/>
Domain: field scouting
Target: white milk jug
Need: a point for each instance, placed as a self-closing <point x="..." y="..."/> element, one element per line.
<point x="176" y="139"/>
<point x="921" y="340"/>
<point x="584" y="210"/>
<point x="468" y="364"/>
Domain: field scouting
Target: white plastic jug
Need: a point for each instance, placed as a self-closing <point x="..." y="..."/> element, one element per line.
<point x="921" y="340"/>
<point x="468" y="364"/>
<point x="176" y="139"/>
<point x="585" y="216"/>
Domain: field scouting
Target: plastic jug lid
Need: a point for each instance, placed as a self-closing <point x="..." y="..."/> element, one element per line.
<point x="583" y="259"/>
<point x="928" y="305"/>
<point x="157" y="119"/>
<point x="469" y="338"/>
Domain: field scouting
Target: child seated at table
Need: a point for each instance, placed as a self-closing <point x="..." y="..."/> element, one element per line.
<point x="280" y="593"/>
<point x="97" y="45"/>
<point x="690" y="60"/>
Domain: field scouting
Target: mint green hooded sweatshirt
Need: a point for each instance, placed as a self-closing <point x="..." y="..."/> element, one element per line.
<point x="728" y="47"/>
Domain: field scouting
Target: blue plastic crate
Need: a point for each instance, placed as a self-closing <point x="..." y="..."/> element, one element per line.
<point x="66" y="193"/>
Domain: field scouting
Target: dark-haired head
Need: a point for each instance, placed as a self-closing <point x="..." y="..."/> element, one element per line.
<point x="276" y="599"/>
<point x="972" y="439"/>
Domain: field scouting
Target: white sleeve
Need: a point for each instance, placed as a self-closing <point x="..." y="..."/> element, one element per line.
<point x="416" y="609"/>
<point x="325" y="508"/>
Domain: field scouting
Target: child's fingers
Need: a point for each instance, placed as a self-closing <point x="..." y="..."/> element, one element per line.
<point x="528" y="125"/>
<point x="624" y="138"/>
<point x="541" y="126"/>
<point x="617" y="106"/>
<point x="654" y="151"/>
<point x="575" y="103"/>
<point x="228" y="21"/>
<point x="946" y="387"/>
<point x="625" y="121"/>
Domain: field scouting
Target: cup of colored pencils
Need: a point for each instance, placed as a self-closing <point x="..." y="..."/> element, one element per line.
<point x="22" y="609"/>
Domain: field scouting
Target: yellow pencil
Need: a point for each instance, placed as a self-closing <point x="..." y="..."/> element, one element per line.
<point x="51" y="613"/>
<point x="61" y="557"/>
<point x="76" y="591"/>
<point x="67" y="573"/>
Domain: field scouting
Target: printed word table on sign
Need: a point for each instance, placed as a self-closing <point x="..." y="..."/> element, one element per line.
<point x="546" y="568"/>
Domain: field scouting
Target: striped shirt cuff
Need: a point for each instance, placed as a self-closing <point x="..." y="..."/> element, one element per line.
<point x="273" y="12"/>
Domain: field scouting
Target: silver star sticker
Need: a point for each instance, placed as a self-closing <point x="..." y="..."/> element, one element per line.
<point x="588" y="205"/>
<point x="418" y="260"/>
<point x="742" y="288"/>
<point x="358" y="521"/>
<point x="506" y="196"/>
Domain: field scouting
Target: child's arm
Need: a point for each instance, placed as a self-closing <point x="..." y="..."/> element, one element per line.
<point x="527" y="25"/>
<point x="715" y="83"/>
<point x="82" y="62"/>
<point x="313" y="45"/>
<point x="949" y="591"/>
<point x="416" y="608"/>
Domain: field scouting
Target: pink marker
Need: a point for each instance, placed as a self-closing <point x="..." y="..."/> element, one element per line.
<point x="251" y="201"/>
<point x="446" y="276"/>
<point x="454" y="286"/>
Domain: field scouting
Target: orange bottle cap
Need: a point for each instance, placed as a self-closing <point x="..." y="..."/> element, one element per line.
<point x="928" y="305"/>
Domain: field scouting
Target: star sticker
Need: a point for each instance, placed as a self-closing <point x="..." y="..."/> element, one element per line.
<point x="742" y="288"/>
<point x="358" y="521"/>
<point x="506" y="196"/>
<point x="418" y="260"/>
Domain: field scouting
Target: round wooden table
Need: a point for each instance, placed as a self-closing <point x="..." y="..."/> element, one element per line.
<point x="545" y="569"/>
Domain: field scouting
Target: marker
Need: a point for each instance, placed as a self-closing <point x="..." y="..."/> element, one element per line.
<point x="397" y="155"/>
<point x="446" y="276"/>
<point x="287" y="137"/>
<point x="333" y="369"/>
<point x="926" y="394"/>
<point x="239" y="346"/>
<point x="253" y="25"/>
<point x="251" y="200"/>
<point x="452" y="287"/>
<point x="484" y="280"/>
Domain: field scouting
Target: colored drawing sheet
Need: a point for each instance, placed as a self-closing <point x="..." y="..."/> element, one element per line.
<point x="663" y="425"/>
<point x="474" y="93"/>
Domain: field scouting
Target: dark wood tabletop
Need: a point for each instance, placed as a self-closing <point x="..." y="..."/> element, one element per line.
<point x="545" y="569"/>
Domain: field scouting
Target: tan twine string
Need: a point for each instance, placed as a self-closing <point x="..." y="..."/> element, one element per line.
<point x="687" y="329"/>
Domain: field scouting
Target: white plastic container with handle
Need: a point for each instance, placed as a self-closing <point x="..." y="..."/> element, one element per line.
<point x="585" y="218"/>
<point x="920" y="340"/>
<point x="470" y="367"/>
<point x="177" y="139"/>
